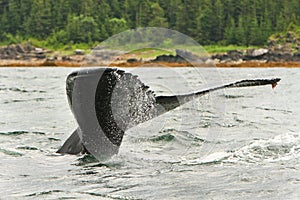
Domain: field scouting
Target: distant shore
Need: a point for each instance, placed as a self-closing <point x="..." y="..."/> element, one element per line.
<point x="38" y="63"/>
<point x="45" y="63"/>
<point x="25" y="55"/>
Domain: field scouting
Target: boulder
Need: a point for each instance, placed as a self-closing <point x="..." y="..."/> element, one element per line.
<point x="79" y="52"/>
<point x="39" y="51"/>
<point x="19" y="49"/>
<point x="235" y="55"/>
<point x="188" y="55"/>
<point x="230" y="56"/>
<point x="170" y="59"/>
<point x="256" y="52"/>
<point x="296" y="57"/>
<point x="132" y="60"/>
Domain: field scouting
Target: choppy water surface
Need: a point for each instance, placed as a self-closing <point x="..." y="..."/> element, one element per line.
<point x="232" y="144"/>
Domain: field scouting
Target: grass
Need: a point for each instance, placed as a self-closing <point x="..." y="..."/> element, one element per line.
<point x="210" y="49"/>
<point x="222" y="49"/>
<point x="67" y="49"/>
<point x="200" y="50"/>
<point x="150" y="52"/>
<point x="139" y="50"/>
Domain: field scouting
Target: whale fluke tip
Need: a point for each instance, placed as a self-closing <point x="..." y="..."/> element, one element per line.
<point x="274" y="82"/>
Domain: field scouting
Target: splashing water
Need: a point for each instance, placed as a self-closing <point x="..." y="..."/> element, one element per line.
<point x="132" y="102"/>
<point x="280" y="148"/>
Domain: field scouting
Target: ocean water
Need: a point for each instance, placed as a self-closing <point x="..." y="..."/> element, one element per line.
<point x="231" y="144"/>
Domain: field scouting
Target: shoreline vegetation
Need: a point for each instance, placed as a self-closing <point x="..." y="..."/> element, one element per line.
<point x="282" y="50"/>
<point x="78" y="61"/>
<point x="17" y="63"/>
<point x="273" y="55"/>
<point x="63" y="32"/>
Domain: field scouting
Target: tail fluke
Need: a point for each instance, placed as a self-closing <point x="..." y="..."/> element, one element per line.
<point x="107" y="102"/>
<point x="171" y="102"/>
<point x="243" y="83"/>
<point x="72" y="145"/>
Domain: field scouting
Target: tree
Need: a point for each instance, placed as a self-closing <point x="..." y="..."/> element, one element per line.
<point x="101" y="14"/>
<point x="81" y="29"/>
<point x="241" y="33"/>
<point x="13" y="15"/>
<point x="59" y="10"/>
<point x="158" y="17"/>
<point x="39" y="23"/>
<point x="116" y="25"/>
<point x="241" y="22"/>
<point x="206" y="23"/>
<point x="170" y="8"/>
<point x="188" y="17"/>
<point x="230" y="32"/>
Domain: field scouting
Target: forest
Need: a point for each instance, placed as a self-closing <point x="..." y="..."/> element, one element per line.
<point x="218" y="22"/>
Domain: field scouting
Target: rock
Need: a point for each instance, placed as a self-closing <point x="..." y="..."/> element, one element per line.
<point x="188" y="55"/>
<point x="19" y="49"/>
<point x="51" y="59"/>
<point x="79" y="52"/>
<point x="40" y="56"/>
<point x="235" y="55"/>
<point x="39" y="50"/>
<point x="182" y="56"/>
<point x="169" y="58"/>
<point x="28" y="47"/>
<point x="66" y="58"/>
<point x="132" y="60"/>
<point x="210" y="61"/>
<point x="103" y="55"/>
<point x="256" y="52"/>
<point x="219" y="57"/>
<point x="280" y="57"/>
<point x="288" y="42"/>
<point x="230" y="56"/>
<point x="296" y="57"/>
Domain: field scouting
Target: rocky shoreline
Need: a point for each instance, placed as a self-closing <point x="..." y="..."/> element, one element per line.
<point x="27" y="55"/>
<point x="30" y="56"/>
<point x="261" y="57"/>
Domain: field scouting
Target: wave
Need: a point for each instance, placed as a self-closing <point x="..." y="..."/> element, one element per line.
<point x="165" y="137"/>
<point x="15" y="89"/>
<point x="44" y="193"/>
<point x="11" y="153"/>
<point x="280" y="148"/>
<point x="27" y="148"/>
<point x="12" y="133"/>
<point x="273" y="109"/>
<point x="228" y="96"/>
<point x="26" y="100"/>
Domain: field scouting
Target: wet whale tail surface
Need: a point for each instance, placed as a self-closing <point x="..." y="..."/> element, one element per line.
<point x="106" y="102"/>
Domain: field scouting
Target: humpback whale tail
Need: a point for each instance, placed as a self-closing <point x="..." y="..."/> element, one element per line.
<point x="106" y="102"/>
<point x="171" y="102"/>
<point x="72" y="145"/>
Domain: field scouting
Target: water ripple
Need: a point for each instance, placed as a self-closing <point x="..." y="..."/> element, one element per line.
<point x="14" y="133"/>
<point x="15" y="89"/>
<point x="26" y="100"/>
<point x="273" y="109"/>
<point x="228" y="96"/>
<point x="11" y="153"/>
